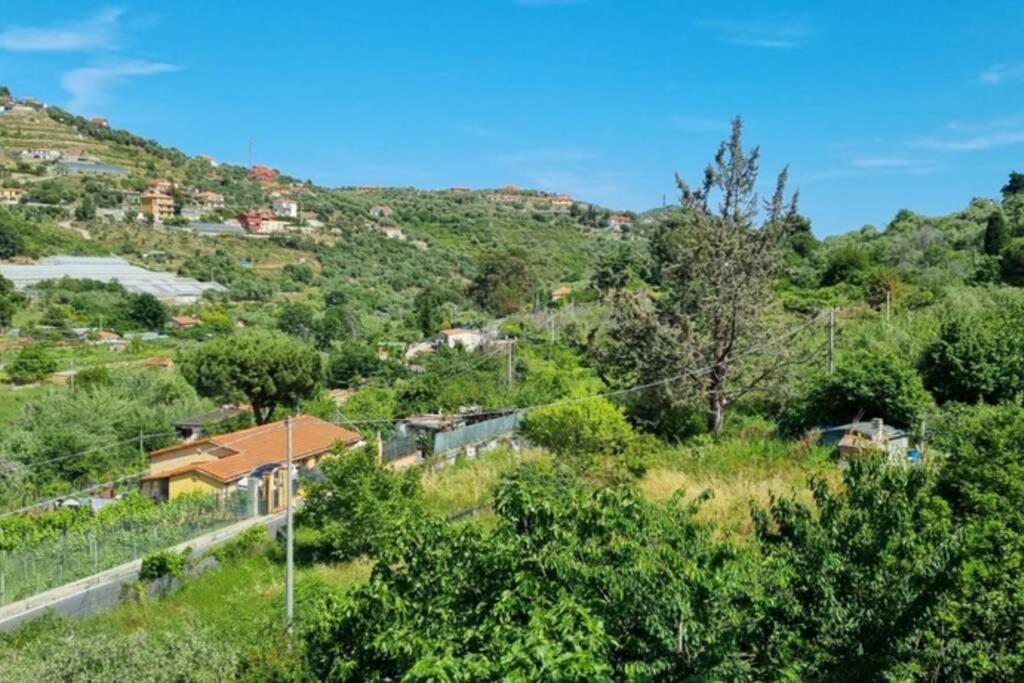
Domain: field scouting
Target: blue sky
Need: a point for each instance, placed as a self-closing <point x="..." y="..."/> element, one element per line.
<point x="875" y="106"/>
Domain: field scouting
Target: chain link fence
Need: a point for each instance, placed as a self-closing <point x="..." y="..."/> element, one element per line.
<point x="80" y="553"/>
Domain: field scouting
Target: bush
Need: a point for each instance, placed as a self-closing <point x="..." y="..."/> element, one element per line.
<point x="870" y="383"/>
<point x="246" y="544"/>
<point x="162" y="563"/>
<point x="359" y="506"/>
<point x="583" y="428"/>
<point x="978" y="357"/>
<point x="31" y="364"/>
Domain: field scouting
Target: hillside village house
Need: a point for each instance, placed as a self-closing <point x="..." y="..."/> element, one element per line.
<point x="41" y="154"/>
<point x="562" y="201"/>
<point x="285" y="208"/>
<point x="11" y="195"/>
<point x="99" y="121"/>
<point x="263" y="174"/>
<point x="162" y="185"/>
<point x="392" y="233"/>
<point x="560" y="293"/>
<point x="184" y="322"/>
<point x="251" y="460"/>
<point x="617" y="221"/>
<point x="381" y="210"/>
<point x="256" y="221"/>
<point x="158" y="205"/>
<point x="456" y="336"/>
<point x="210" y="201"/>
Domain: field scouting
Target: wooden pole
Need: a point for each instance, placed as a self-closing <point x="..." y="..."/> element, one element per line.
<point x="831" y="340"/>
<point x="289" y="578"/>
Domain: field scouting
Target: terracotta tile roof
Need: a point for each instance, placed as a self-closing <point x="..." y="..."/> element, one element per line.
<point x="247" y="449"/>
<point x="185" y="320"/>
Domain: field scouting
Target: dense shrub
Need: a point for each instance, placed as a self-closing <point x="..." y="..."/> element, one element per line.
<point x="359" y="506"/>
<point x="162" y="563"/>
<point x="868" y="383"/>
<point x="979" y="356"/>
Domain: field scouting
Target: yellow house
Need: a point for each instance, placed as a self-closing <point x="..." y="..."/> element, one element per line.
<point x="219" y="464"/>
<point x="158" y="205"/>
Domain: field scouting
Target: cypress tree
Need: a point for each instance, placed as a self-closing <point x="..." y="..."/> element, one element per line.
<point x="996" y="234"/>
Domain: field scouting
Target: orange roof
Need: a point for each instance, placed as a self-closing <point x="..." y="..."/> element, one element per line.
<point x="159" y="361"/>
<point x="562" y="291"/>
<point x="185" y="320"/>
<point x="243" y="451"/>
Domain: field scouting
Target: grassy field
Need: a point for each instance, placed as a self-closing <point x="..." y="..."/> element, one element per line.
<point x="743" y="468"/>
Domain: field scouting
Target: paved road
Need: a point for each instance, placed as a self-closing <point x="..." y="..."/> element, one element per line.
<point x="103" y="590"/>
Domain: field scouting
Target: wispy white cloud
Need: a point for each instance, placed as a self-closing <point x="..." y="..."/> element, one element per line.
<point x="96" y="33"/>
<point x="696" y="124"/>
<point x="88" y="85"/>
<point x="777" y="35"/>
<point x="574" y="170"/>
<point x="970" y="137"/>
<point x="1000" y="73"/>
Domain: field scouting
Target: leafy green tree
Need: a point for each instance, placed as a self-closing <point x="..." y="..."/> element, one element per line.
<point x="371" y="403"/>
<point x="881" y="284"/>
<point x="300" y="272"/>
<point x="579" y="428"/>
<point x="350" y="364"/>
<point x="570" y="584"/>
<point x="86" y="209"/>
<point x="857" y="575"/>
<point x="9" y="303"/>
<point x="1013" y="262"/>
<point x="848" y="263"/>
<point x="359" y="506"/>
<point x="997" y="234"/>
<point x="976" y="633"/>
<point x="978" y="356"/>
<point x="31" y="364"/>
<point x="296" y="319"/>
<point x="613" y="271"/>
<point x="504" y="284"/>
<point x="146" y="311"/>
<point x="338" y="323"/>
<point x="11" y="229"/>
<point x="7" y="310"/>
<point x="265" y="368"/>
<point x="429" y="316"/>
<point x="1014" y="185"/>
<point x="868" y="383"/>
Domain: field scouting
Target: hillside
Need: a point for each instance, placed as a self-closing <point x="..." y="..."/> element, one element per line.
<point x="381" y="258"/>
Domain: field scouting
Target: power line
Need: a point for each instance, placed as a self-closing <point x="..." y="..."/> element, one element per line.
<point x="628" y="390"/>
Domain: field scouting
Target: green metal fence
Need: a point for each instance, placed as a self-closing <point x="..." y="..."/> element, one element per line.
<point x="79" y="553"/>
<point x="446" y="442"/>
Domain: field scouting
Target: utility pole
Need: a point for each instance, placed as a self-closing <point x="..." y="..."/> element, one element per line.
<point x="551" y="324"/>
<point x="289" y="577"/>
<point x="511" y="343"/>
<point x="888" y="304"/>
<point x="831" y="340"/>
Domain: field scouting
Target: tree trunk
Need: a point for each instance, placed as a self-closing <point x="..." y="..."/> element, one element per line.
<point x="716" y="398"/>
<point x="716" y="412"/>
